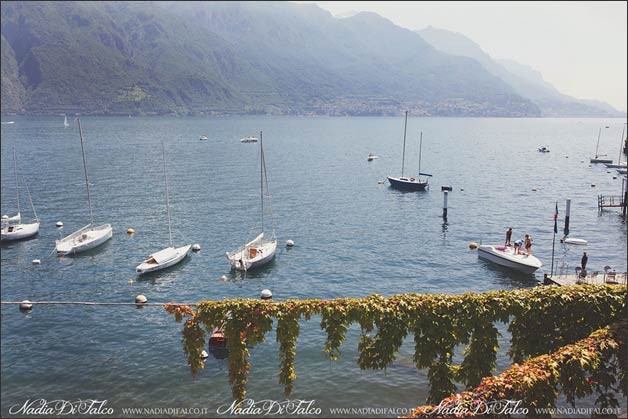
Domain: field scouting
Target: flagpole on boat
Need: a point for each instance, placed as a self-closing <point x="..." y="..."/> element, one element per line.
<point x="554" y="239"/>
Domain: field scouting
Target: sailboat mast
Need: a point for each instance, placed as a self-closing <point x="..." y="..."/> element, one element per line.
<point x="403" y="158"/>
<point x="163" y="152"/>
<point x="598" y="141"/>
<point x="31" y="200"/>
<point x="261" y="175"/>
<point x="17" y="185"/>
<point x="89" y="198"/>
<point x="420" y="148"/>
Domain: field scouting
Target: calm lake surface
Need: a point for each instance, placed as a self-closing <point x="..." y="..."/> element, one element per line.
<point x="354" y="237"/>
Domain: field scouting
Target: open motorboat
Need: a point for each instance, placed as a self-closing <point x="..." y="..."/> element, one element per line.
<point x="260" y="250"/>
<point x="249" y="139"/>
<point x="89" y="236"/>
<point x="12" y="227"/>
<point x="372" y="157"/>
<point x="404" y="182"/>
<point x="573" y="240"/>
<point x="505" y="256"/>
<point x="163" y="259"/>
<point x="203" y="138"/>
<point x="544" y="149"/>
<point x="170" y="255"/>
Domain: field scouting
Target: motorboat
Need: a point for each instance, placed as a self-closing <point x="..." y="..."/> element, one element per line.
<point x="372" y="157"/>
<point x="203" y="138"/>
<point x="544" y="149"/>
<point x="573" y="240"/>
<point x="249" y="139"/>
<point x="505" y="256"/>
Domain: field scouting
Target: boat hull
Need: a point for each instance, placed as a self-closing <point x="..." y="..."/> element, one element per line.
<point x="181" y="253"/>
<point x="19" y="231"/>
<point x="579" y="242"/>
<point x="84" y="239"/>
<point x="240" y="259"/>
<point x="521" y="263"/>
<point x="601" y="161"/>
<point x="407" y="185"/>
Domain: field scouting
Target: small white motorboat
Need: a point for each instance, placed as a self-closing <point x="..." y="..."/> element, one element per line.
<point x="372" y="157"/>
<point x="571" y="240"/>
<point x="505" y="256"/>
<point x="544" y="149"/>
<point x="204" y="138"/>
<point x="249" y="139"/>
<point x="163" y="259"/>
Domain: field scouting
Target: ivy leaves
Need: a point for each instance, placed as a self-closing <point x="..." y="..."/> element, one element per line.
<point x="543" y="319"/>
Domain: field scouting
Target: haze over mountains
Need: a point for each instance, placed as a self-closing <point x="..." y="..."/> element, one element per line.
<point x="253" y="57"/>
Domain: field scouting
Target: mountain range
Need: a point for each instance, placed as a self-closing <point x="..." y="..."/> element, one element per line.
<point x="251" y="57"/>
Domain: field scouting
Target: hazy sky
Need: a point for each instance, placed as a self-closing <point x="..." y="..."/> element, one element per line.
<point x="579" y="47"/>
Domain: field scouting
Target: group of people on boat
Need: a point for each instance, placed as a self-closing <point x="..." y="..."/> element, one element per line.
<point x="526" y="243"/>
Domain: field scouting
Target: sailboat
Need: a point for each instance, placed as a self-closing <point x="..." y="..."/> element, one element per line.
<point x="597" y="158"/>
<point x="405" y="183"/>
<point x="620" y="164"/>
<point x="89" y="236"/>
<point x="170" y="255"/>
<point x="260" y="250"/>
<point x="12" y="227"/>
<point x="65" y="121"/>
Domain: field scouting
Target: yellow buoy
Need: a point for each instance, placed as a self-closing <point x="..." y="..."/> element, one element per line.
<point x="130" y="231"/>
<point x="473" y="245"/>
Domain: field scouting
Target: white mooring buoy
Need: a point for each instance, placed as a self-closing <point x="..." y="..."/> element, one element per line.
<point x="289" y="243"/>
<point x="266" y="294"/>
<point x="59" y="224"/>
<point x="36" y="262"/>
<point x="224" y="278"/>
<point x="473" y="245"/>
<point x="130" y="231"/>
<point x="196" y="247"/>
<point x="26" y="305"/>
<point x="141" y="299"/>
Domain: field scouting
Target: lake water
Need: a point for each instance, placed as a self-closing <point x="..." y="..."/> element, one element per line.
<point x="354" y="237"/>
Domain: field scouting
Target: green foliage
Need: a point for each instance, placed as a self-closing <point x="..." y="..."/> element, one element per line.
<point x="438" y="322"/>
<point x="577" y="370"/>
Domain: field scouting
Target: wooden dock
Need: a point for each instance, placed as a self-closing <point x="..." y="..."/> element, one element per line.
<point x="594" y="278"/>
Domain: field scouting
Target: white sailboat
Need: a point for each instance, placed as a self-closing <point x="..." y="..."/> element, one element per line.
<point x="170" y="255"/>
<point x="65" y="121"/>
<point x="260" y="250"/>
<point x="89" y="236"/>
<point x="12" y="227"/>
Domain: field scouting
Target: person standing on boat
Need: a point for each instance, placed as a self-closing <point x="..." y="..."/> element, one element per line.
<point x="528" y="244"/>
<point x="584" y="261"/>
<point x="508" y="236"/>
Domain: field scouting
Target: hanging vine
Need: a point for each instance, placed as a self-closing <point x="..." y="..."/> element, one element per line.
<point x="542" y="320"/>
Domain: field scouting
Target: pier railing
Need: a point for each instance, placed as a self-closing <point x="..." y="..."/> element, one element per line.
<point x="541" y="320"/>
<point x="608" y="201"/>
